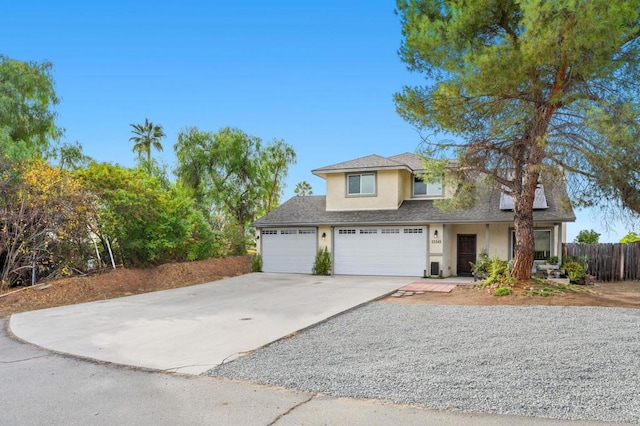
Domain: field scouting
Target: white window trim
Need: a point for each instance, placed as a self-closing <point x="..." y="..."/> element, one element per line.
<point x="427" y="195"/>
<point x="360" y="194"/>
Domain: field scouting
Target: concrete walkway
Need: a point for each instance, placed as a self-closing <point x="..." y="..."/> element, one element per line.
<point x="190" y="330"/>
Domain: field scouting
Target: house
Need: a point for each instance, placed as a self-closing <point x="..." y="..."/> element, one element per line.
<point x="379" y="218"/>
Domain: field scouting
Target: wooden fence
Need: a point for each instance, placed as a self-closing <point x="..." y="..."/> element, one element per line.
<point x="608" y="261"/>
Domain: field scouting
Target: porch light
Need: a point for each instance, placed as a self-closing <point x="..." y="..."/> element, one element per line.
<point x="435" y="234"/>
<point x="324" y="236"/>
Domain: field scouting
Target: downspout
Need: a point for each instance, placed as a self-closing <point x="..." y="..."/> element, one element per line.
<point x="559" y="243"/>
<point x="427" y="265"/>
<point x="333" y="260"/>
<point x="444" y="249"/>
<point x="487" y="234"/>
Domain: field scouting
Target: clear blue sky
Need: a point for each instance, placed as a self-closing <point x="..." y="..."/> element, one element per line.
<point x="320" y="75"/>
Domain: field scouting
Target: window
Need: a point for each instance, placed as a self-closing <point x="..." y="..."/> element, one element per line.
<point x="269" y="232"/>
<point x="361" y="184"/>
<point x="542" y="239"/>
<point x="413" y="230"/>
<point x="368" y="231"/>
<point x="346" y="231"/>
<point x="306" y="231"/>
<point x="426" y="189"/>
<point x="288" y="231"/>
<point x="390" y="231"/>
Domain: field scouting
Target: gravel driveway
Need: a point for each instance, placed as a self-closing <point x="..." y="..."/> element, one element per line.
<point x="554" y="362"/>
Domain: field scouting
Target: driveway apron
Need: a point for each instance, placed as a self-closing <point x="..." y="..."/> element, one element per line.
<point x="192" y="329"/>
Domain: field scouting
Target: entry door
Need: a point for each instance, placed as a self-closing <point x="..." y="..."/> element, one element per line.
<point x="466" y="254"/>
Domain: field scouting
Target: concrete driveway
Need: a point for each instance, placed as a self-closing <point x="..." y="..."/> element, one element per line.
<point x="191" y="329"/>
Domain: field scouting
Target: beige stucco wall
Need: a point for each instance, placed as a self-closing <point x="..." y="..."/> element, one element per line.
<point x="387" y="195"/>
<point x="495" y="244"/>
<point x="405" y="180"/>
<point x="328" y="238"/>
<point x="256" y="238"/>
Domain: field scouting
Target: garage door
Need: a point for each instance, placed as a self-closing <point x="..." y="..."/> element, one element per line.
<point x="400" y="251"/>
<point x="288" y="250"/>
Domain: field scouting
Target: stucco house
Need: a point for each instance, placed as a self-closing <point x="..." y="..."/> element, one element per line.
<point x="378" y="218"/>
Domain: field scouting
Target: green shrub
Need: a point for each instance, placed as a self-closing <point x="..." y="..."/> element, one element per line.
<point x="502" y="291"/>
<point x="575" y="271"/>
<point x="322" y="264"/>
<point x="499" y="273"/>
<point x="481" y="268"/>
<point x="256" y="263"/>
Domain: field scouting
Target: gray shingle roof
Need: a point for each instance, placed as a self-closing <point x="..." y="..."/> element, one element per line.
<point x="414" y="161"/>
<point x="370" y="162"/>
<point x="311" y="211"/>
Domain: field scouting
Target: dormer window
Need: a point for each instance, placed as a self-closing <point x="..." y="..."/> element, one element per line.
<point x="426" y="189"/>
<point x="361" y="184"/>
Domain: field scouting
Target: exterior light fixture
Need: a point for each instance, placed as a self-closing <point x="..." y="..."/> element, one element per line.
<point x="435" y="234"/>
<point x="257" y="237"/>
<point x="324" y="236"/>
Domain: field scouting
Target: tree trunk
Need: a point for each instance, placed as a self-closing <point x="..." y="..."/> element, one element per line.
<point x="523" y="227"/>
<point x="524" y="246"/>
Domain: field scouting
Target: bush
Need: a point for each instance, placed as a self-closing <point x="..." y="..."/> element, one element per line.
<point x="575" y="272"/>
<point x="481" y="268"/>
<point x="499" y="273"/>
<point x="502" y="291"/>
<point x="256" y="263"/>
<point x="322" y="264"/>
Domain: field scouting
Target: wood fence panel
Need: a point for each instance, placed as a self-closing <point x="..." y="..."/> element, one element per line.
<point x="632" y="261"/>
<point x="608" y="261"/>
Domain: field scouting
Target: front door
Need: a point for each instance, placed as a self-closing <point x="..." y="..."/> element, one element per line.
<point x="466" y="254"/>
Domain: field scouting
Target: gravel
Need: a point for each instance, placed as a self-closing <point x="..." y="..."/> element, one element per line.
<point x="579" y="363"/>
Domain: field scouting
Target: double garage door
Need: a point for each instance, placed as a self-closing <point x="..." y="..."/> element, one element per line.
<point x="400" y="251"/>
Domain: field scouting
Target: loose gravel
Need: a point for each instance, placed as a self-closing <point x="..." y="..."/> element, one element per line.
<point x="574" y="363"/>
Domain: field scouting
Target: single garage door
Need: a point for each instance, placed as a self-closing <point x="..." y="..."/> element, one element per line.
<point x="288" y="250"/>
<point x="400" y="251"/>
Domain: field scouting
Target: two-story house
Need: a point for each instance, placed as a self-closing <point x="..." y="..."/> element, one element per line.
<point x="378" y="218"/>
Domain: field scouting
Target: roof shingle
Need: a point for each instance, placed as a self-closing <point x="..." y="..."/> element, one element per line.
<point x="312" y="211"/>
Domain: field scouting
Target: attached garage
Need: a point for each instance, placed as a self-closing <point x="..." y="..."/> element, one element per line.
<point x="288" y="249"/>
<point x="396" y="251"/>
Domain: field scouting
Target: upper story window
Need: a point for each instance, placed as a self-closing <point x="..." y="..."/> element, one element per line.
<point x="361" y="184"/>
<point x="426" y="189"/>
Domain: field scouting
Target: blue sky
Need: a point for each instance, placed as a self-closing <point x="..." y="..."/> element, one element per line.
<point x="320" y="75"/>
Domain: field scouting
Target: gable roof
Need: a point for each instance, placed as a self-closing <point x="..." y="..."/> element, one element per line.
<point x="370" y="162"/>
<point x="413" y="161"/>
<point x="312" y="211"/>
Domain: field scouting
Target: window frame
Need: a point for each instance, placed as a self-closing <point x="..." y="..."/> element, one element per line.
<point x="361" y="194"/>
<point x="512" y="245"/>
<point x="427" y="186"/>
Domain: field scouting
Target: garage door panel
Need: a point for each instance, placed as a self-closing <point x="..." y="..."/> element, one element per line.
<point x="288" y="250"/>
<point x="380" y="251"/>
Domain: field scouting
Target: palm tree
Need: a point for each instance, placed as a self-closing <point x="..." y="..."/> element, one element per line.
<point x="144" y="137"/>
<point x="303" y="188"/>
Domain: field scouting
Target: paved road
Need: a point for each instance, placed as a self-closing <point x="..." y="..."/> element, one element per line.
<point x="191" y="329"/>
<point x="43" y="388"/>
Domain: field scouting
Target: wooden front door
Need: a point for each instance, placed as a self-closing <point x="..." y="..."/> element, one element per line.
<point x="466" y="254"/>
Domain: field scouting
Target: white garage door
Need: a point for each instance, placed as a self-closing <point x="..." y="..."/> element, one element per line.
<point x="288" y="250"/>
<point x="400" y="251"/>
